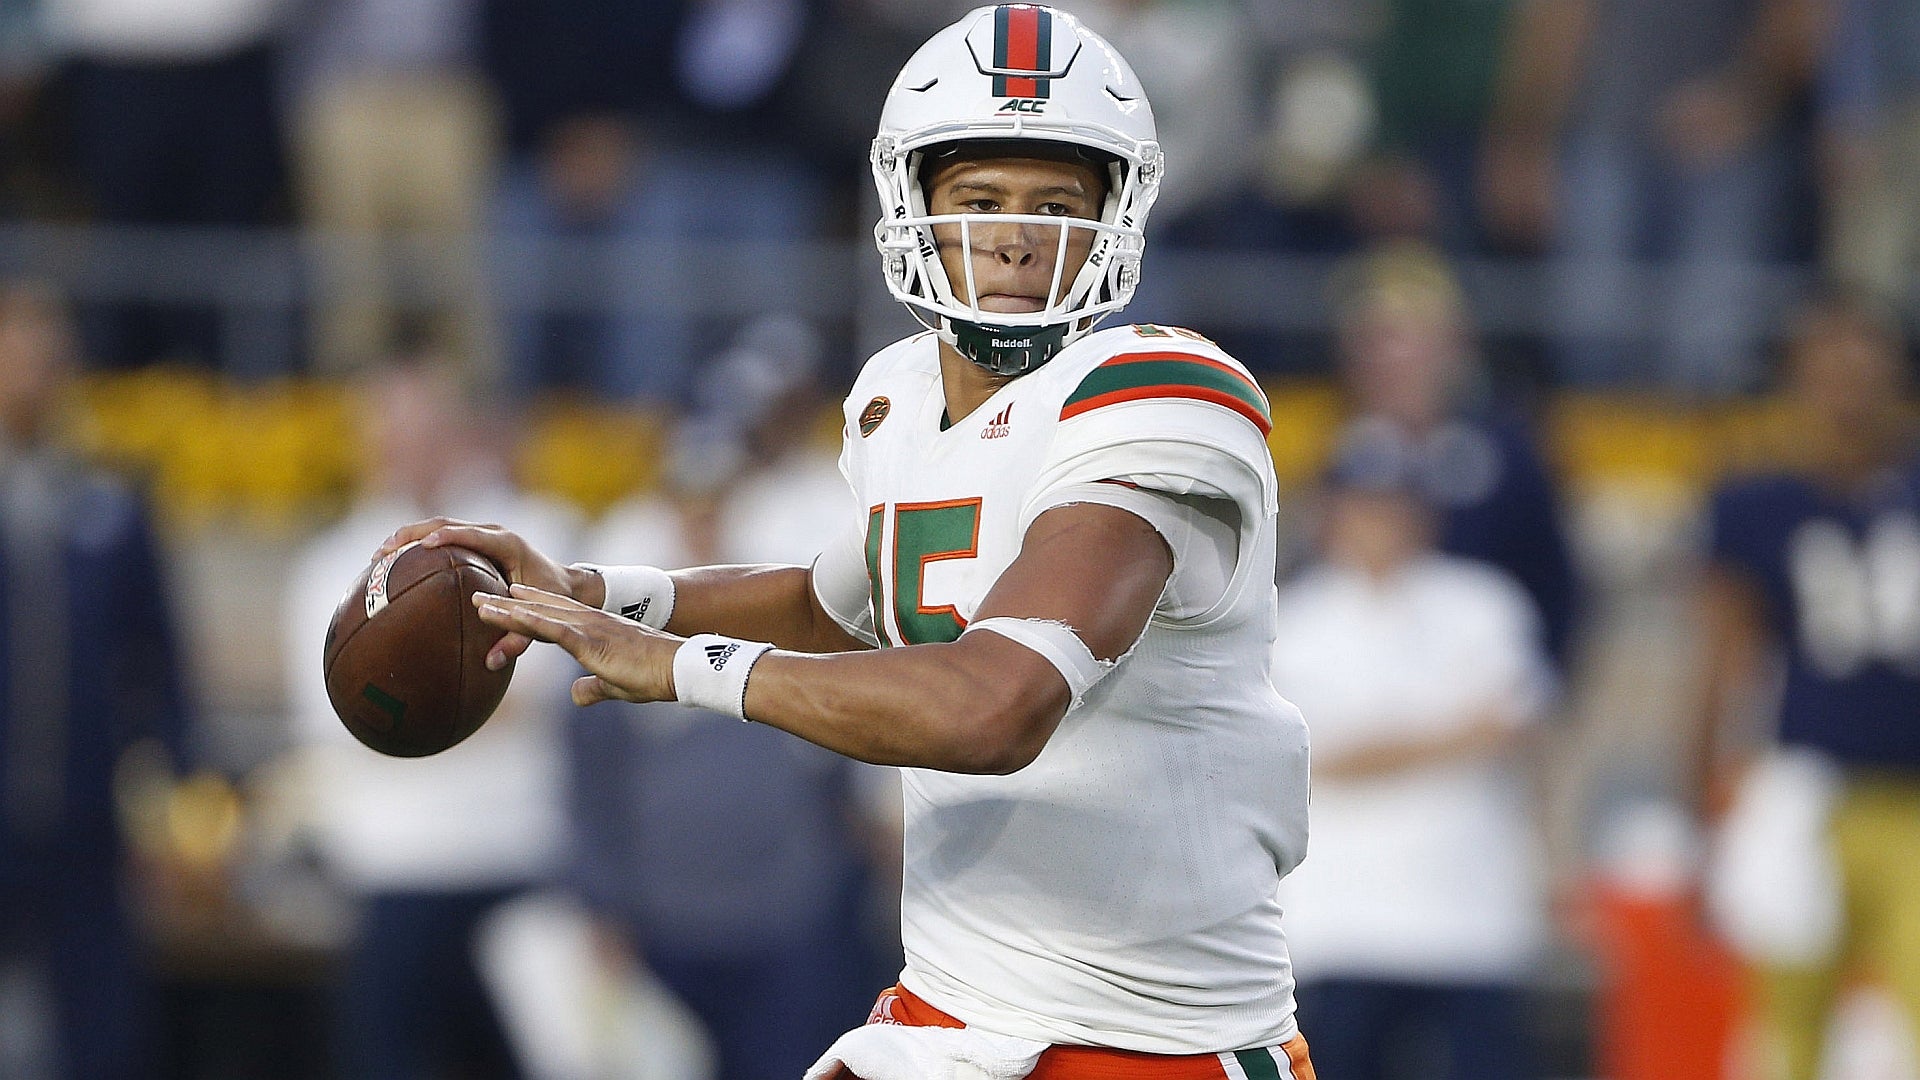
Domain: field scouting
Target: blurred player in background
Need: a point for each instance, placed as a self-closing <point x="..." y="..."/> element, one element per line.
<point x="1424" y="674"/>
<point x="1065" y="554"/>
<point x="1814" y="579"/>
<point x="426" y="848"/>
<point x="88" y="665"/>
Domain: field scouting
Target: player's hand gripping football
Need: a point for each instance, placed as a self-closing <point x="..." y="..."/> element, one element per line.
<point x="518" y="560"/>
<point x="629" y="662"/>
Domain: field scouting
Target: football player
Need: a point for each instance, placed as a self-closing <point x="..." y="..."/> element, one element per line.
<point x="1811" y="611"/>
<point x="1054" y="612"/>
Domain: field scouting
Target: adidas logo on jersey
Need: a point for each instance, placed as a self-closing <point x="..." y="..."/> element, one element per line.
<point x="997" y="427"/>
<point x="718" y="654"/>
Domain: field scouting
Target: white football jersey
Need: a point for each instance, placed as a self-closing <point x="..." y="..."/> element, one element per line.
<point x="1120" y="890"/>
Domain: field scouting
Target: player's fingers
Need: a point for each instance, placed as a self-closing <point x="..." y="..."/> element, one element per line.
<point x="602" y="643"/>
<point x="592" y="689"/>
<point x="407" y="534"/>
<point x="558" y="609"/>
<point x="505" y="548"/>
<point x="562" y="627"/>
<point x="538" y="595"/>
<point x="514" y="616"/>
<point x="506" y="649"/>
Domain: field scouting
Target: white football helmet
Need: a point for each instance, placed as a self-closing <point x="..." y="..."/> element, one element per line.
<point x="1013" y="73"/>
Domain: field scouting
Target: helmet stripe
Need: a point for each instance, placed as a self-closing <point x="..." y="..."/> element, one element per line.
<point x="1042" y="49"/>
<point x="1022" y="41"/>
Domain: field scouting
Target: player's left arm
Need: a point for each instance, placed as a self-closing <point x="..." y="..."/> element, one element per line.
<point x="979" y="704"/>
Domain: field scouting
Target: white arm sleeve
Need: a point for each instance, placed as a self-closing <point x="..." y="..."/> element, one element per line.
<point x="840" y="583"/>
<point x="1200" y="531"/>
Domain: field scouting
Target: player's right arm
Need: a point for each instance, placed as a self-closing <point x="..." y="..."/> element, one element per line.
<point x="982" y="703"/>
<point x="765" y="602"/>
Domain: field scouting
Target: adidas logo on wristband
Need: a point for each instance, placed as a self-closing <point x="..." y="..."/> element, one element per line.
<point x="710" y="672"/>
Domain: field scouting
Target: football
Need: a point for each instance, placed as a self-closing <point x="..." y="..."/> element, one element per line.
<point x="405" y="654"/>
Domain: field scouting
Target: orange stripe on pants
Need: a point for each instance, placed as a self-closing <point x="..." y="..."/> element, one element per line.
<point x="1298" y="1063"/>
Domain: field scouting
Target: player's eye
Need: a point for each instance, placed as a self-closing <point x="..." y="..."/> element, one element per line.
<point x="1056" y="209"/>
<point x="981" y="206"/>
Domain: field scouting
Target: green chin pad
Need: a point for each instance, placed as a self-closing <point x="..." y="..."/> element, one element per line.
<point x="1008" y="350"/>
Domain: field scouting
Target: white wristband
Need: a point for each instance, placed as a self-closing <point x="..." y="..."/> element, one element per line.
<point x="710" y="672"/>
<point x="643" y="594"/>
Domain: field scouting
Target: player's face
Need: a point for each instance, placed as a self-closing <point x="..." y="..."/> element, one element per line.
<point x="1013" y="264"/>
<point x="1375" y="531"/>
<point x="1404" y="363"/>
<point x="1847" y="376"/>
<point x="36" y="358"/>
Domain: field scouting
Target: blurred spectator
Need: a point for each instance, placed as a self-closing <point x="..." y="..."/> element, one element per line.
<point x="1811" y="616"/>
<point x="1872" y="146"/>
<point x="1632" y="130"/>
<point x="396" y="140"/>
<point x="173" y="122"/>
<point x="1288" y="201"/>
<point x="621" y="177"/>
<point x="428" y="847"/>
<point x="1419" y="924"/>
<point x="1431" y="65"/>
<point x="840" y="78"/>
<point x="88" y="666"/>
<point x="26" y="61"/>
<point x="736" y="863"/>
<point x="1408" y="363"/>
<point x="1203" y="79"/>
<point x="24" y="49"/>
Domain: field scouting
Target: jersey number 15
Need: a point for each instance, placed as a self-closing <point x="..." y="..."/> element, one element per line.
<point x="922" y="533"/>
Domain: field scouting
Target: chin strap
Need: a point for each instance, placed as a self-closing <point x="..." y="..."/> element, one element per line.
<point x="1007" y="350"/>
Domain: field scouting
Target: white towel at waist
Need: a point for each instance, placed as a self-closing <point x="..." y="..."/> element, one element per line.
<point x="898" y="1052"/>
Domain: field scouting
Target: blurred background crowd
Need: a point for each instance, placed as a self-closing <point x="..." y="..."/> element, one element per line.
<point x="1586" y="326"/>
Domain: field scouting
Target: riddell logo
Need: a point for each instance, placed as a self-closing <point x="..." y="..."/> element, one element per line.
<point x="997" y="427"/>
<point x="717" y="655"/>
<point x="1013" y="343"/>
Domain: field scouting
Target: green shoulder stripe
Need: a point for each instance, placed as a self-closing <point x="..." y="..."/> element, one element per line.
<point x="1141" y="375"/>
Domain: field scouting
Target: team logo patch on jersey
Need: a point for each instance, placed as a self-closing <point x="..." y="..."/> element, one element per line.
<point x="870" y="417"/>
<point x="997" y="428"/>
